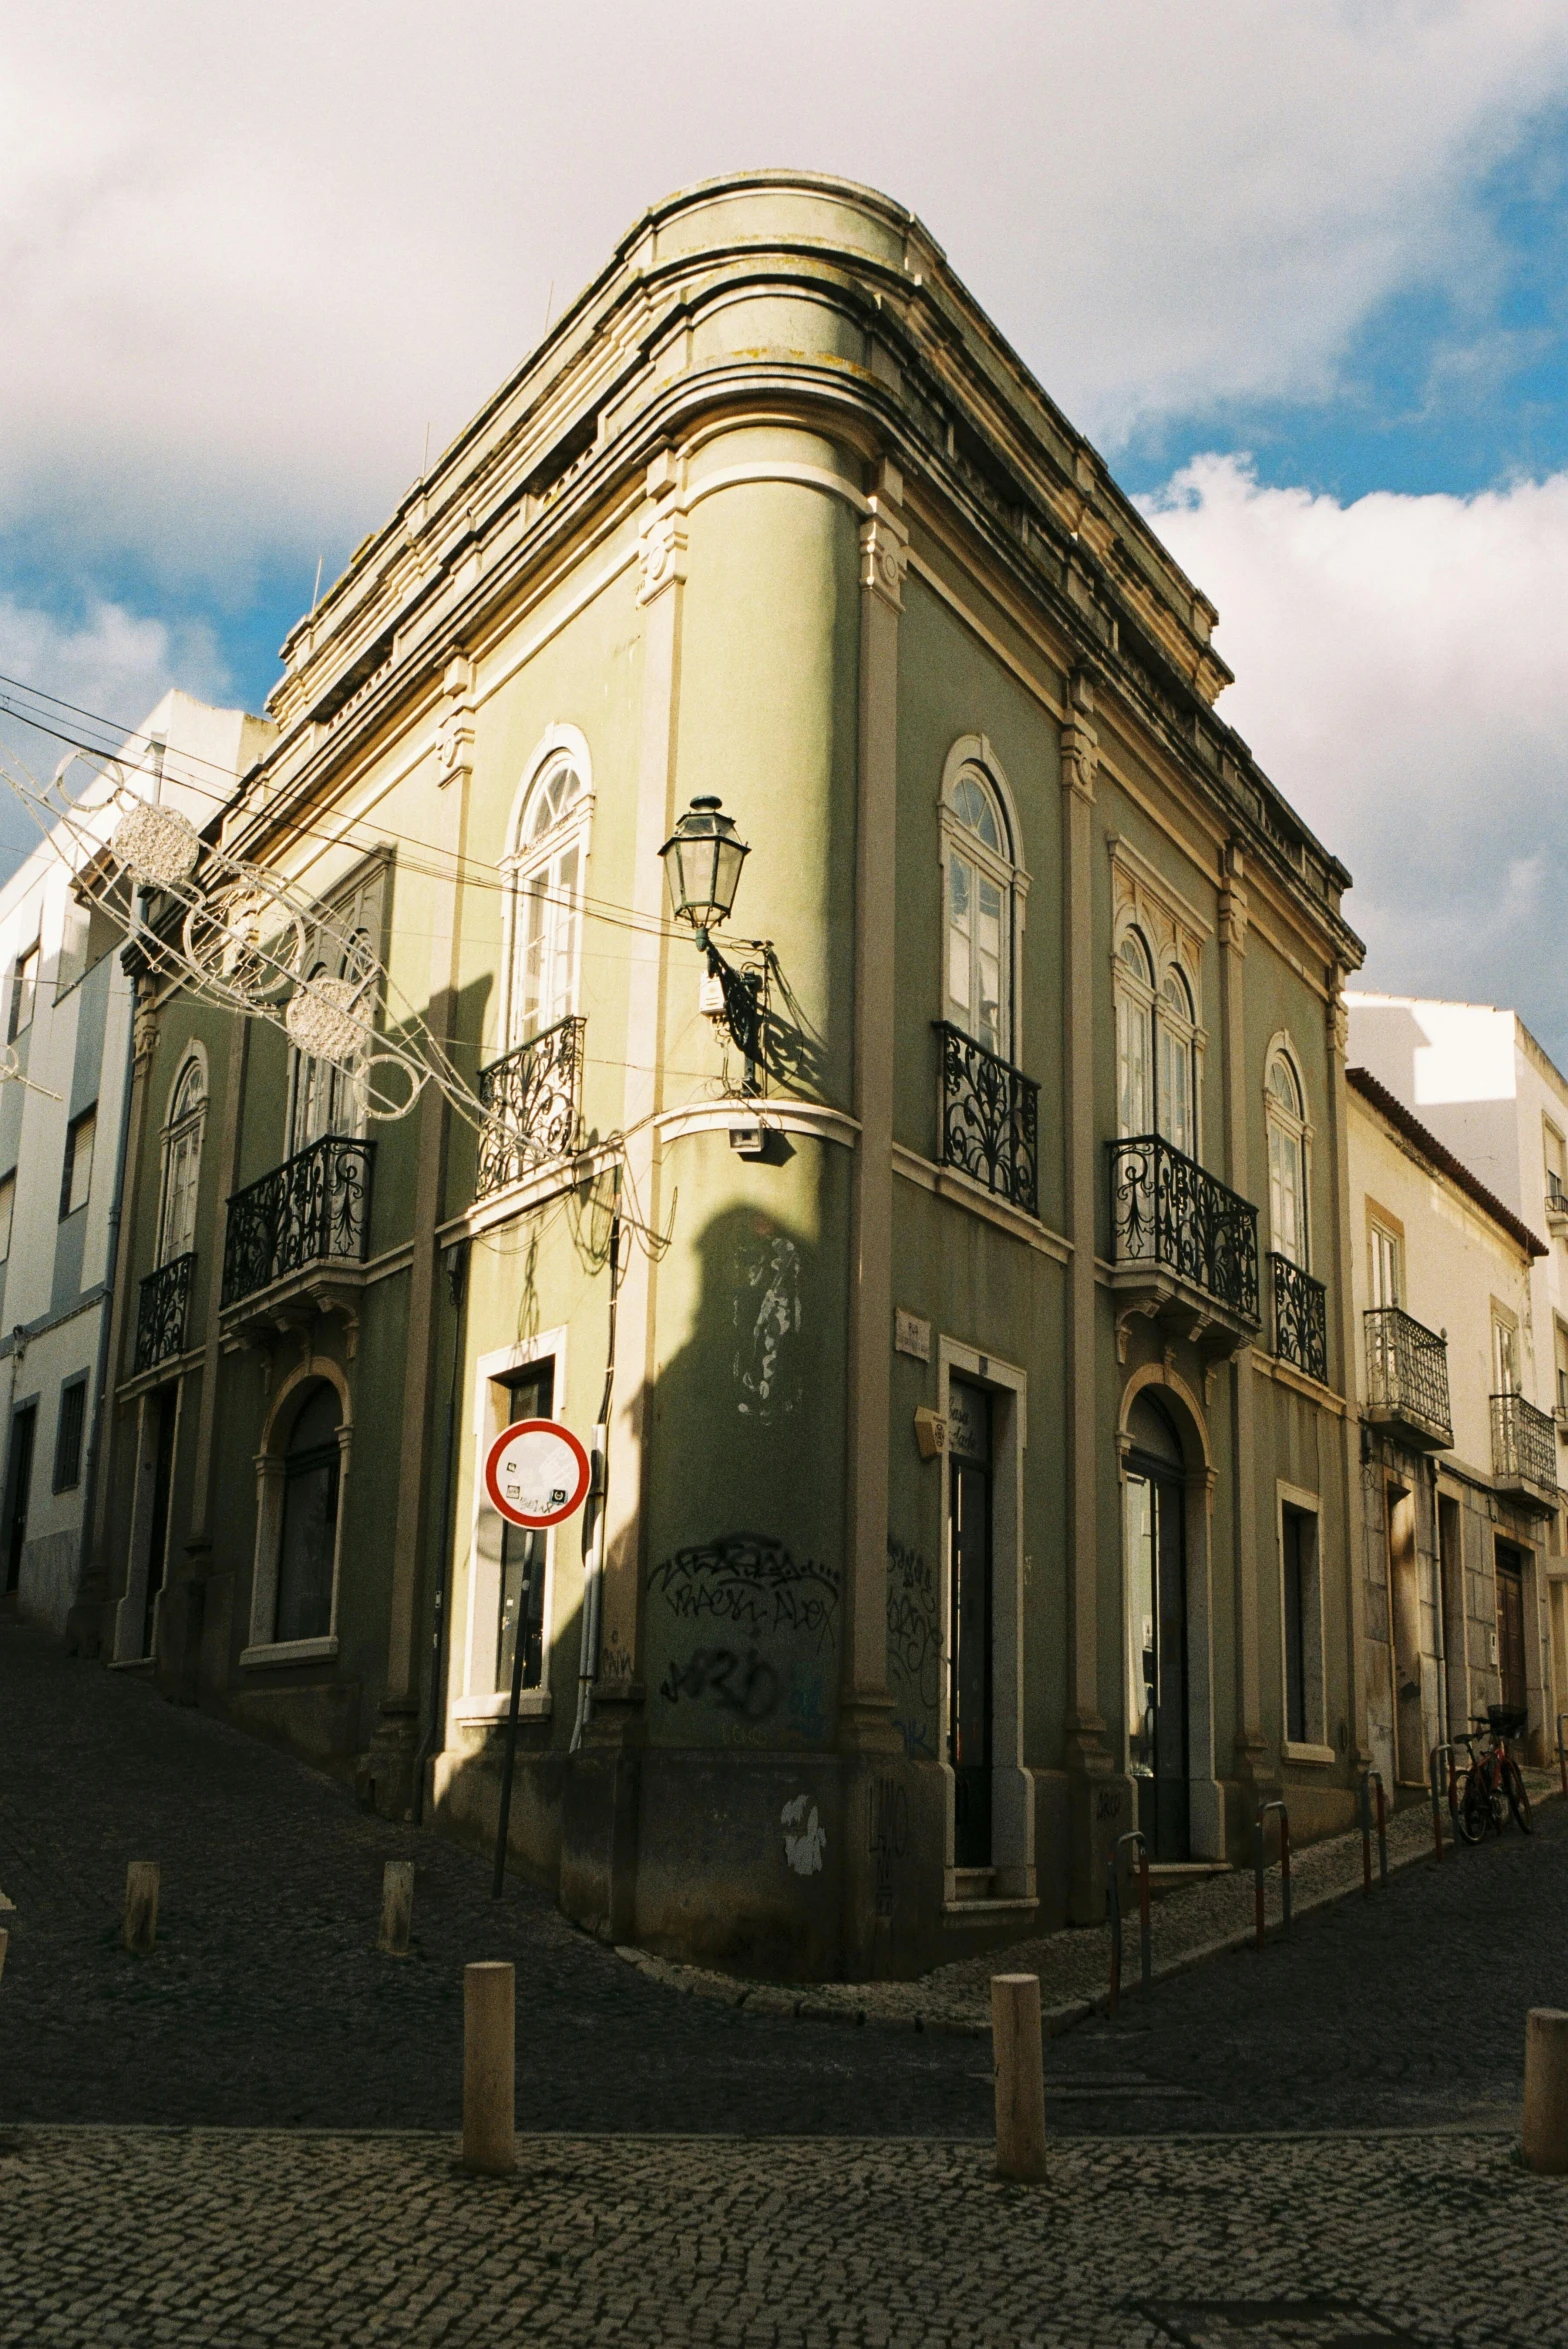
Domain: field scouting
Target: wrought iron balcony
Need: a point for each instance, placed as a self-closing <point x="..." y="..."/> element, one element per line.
<point x="533" y="1096"/>
<point x="162" y="1308"/>
<point x="1300" y="1318"/>
<point x="1524" y="1449"/>
<point x="1174" y="1223"/>
<point x="312" y="1209"/>
<point x="1407" y="1379"/>
<point x="990" y="1120"/>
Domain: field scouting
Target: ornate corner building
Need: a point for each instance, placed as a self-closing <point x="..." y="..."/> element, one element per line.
<point x="960" y="1278"/>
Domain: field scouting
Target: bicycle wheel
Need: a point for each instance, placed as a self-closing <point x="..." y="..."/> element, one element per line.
<point x="1474" y="1815"/>
<point x="1518" y="1797"/>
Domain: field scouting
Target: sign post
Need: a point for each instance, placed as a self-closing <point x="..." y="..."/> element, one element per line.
<point x="536" y="1475"/>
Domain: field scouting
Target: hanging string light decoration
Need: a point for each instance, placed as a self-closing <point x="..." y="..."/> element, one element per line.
<point x="239" y="935"/>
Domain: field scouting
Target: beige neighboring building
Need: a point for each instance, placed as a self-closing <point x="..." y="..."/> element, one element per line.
<point x="1459" y="1478"/>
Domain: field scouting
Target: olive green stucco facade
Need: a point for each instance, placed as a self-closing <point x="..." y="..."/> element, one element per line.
<point x="774" y="514"/>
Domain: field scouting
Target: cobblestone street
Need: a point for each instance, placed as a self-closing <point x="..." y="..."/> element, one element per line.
<point x="676" y="2184"/>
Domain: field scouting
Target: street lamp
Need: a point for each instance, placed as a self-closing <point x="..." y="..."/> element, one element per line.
<point x="702" y="861"/>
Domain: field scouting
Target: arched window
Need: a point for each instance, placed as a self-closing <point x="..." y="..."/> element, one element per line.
<point x="979" y="883"/>
<point x="1178" y="1098"/>
<point x="545" y="873"/>
<point x="182" y="1162"/>
<point x="308" y="1532"/>
<point x="1285" y="1109"/>
<point x="1134" y="1036"/>
<point x="324" y="1097"/>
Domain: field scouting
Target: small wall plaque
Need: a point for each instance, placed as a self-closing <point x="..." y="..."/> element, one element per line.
<point x="911" y="1335"/>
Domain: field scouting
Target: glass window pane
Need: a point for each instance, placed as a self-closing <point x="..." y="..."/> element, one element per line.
<point x="310" y="1514"/>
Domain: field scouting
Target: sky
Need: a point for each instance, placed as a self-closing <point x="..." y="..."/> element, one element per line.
<point x="1298" y="267"/>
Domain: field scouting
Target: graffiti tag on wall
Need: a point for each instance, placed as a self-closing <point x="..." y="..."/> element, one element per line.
<point x="752" y="1582"/>
<point x="748" y="1687"/>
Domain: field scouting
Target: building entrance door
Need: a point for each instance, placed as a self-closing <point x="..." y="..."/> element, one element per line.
<point x="18" y="1490"/>
<point x="969" y="1622"/>
<point x="1157" y="1726"/>
<point x="163" y="1403"/>
<point x="1510" y="1628"/>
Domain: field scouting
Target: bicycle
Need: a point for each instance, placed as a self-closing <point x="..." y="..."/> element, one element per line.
<point x="1494" y="1783"/>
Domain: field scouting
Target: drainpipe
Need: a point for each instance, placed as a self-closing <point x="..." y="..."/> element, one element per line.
<point x="593" y="1557"/>
<point x="116" y="1209"/>
<point x="456" y="1275"/>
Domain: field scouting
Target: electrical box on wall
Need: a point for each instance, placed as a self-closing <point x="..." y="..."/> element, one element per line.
<point x="930" y="1432"/>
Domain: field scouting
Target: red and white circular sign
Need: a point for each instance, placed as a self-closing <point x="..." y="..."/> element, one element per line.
<point x="537" y="1472"/>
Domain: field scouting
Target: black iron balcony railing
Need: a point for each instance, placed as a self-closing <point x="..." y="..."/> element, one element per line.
<point x="1407" y="1372"/>
<point x="313" y="1207"/>
<point x="1168" y="1211"/>
<point x="533" y="1096"/>
<point x="990" y="1119"/>
<point x="1300" y="1318"/>
<point x="162" y="1306"/>
<point x="1524" y="1443"/>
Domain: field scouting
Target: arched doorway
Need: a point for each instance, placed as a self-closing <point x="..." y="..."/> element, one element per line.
<point x="1158" y="1674"/>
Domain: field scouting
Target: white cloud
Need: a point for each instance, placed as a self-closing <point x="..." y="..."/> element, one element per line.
<point x="246" y="255"/>
<point x="1400" y="673"/>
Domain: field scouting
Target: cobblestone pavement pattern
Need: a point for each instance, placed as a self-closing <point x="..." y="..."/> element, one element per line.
<point x="250" y="2241"/>
<point x="266" y="2003"/>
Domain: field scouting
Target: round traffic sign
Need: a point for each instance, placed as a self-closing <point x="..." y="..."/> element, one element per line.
<point x="537" y="1472"/>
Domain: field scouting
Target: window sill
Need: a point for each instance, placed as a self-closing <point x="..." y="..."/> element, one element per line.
<point x="533" y="1704"/>
<point x="1308" y="1753"/>
<point x="289" y="1651"/>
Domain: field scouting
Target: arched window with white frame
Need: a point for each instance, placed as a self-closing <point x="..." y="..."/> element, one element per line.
<point x="1176" y="1026"/>
<point x="1285" y="1110"/>
<point x="545" y="871"/>
<point x="182" y="1138"/>
<point x="1134" y="1036"/>
<point x="982" y="887"/>
<point x="324" y="1098"/>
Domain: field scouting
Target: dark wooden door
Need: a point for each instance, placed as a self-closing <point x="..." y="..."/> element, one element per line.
<point x="969" y="1636"/>
<point x="18" y="1490"/>
<point x="1510" y="1631"/>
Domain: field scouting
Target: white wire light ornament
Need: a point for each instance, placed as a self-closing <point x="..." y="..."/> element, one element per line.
<point x="240" y="936"/>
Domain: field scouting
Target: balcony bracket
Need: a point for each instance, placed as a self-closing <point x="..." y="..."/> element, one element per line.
<point x="295" y="1305"/>
<point x="1183" y="1314"/>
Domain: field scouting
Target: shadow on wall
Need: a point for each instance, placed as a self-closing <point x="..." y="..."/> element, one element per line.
<point x="740" y="1585"/>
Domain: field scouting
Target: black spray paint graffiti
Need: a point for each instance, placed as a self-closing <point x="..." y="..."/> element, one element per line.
<point x="752" y="1582"/>
<point x="889" y="1837"/>
<point x="749" y="1688"/>
<point x="914" y="1644"/>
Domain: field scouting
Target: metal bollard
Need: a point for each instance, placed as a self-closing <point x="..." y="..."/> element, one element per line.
<point x="1113" y="1902"/>
<point x="1020" y="2076"/>
<point x="1367" y="1776"/>
<point x="397" y="1906"/>
<point x="1545" y="2145"/>
<point x="141" y="1905"/>
<point x="1284" y="1866"/>
<point x="1437" y="1807"/>
<point x="490" y="2069"/>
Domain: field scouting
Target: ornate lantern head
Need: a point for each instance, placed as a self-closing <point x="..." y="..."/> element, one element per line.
<point x="702" y="861"/>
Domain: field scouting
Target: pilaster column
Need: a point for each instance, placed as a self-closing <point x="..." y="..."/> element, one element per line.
<point x="198" y="1546"/>
<point x="1337" y="1020"/>
<point x="1093" y="1815"/>
<point x="865" y="1708"/>
<point x="99" y="1577"/>
<point x="662" y="596"/>
<point x="1249" y="1744"/>
<point x="393" y="1743"/>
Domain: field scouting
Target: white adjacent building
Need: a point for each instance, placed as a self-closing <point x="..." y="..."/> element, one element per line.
<point x="1478" y="1084"/>
<point x="66" y="1017"/>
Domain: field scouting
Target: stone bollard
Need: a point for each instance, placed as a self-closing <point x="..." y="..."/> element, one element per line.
<point x="490" y="2070"/>
<point x="141" y="1905"/>
<point x="397" y="1906"/>
<point x="1020" y="2076"/>
<point x="1546" y="2091"/>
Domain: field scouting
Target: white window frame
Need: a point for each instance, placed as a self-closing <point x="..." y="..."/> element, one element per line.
<point x="271" y="1468"/>
<point x="492" y="1372"/>
<point x="179" y="1131"/>
<point x="559" y="747"/>
<point x="357" y="916"/>
<point x="1305" y="1504"/>
<point x="973" y="754"/>
<point x="1296" y="1131"/>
